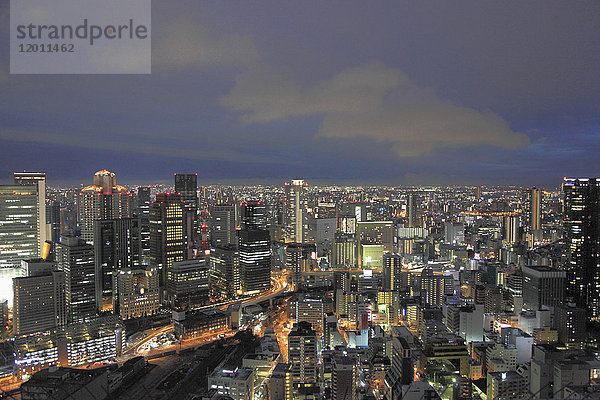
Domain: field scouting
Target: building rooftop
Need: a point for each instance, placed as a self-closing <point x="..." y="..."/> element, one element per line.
<point x="237" y="374"/>
<point x="62" y="382"/>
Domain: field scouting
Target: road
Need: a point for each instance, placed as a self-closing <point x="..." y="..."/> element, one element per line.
<point x="280" y="284"/>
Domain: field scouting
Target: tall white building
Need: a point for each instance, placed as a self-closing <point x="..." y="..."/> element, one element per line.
<point x="294" y="211"/>
<point x="22" y="227"/>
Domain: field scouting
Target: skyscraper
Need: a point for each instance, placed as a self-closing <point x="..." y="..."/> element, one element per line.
<point x="22" y="223"/>
<point x="167" y="232"/>
<point x="255" y="260"/>
<point x="511" y="228"/>
<point x="225" y="271"/>
<point x="254" y="214"/>
<point x="76" y="259"/>
<point x="188" y="283"/>
<point x="53" y="221"/>
<point x="187" y="186"/>
<point x="39" y="301"/>
<point x="293" y="211"/>
<point x="432" y="288"/>
<point x="22" y="227"/>
<point x="410" y="211"/>
<point x="535" y="200"/>
<point x="222" y="225"/>
<point x="29" y="178"/>
<point x="543" y="286"/>
<point x="117" y="246"/>
<point x="102" y="200"/>
<point x="302" y="354"/>
<point x="392" y="266"/>
<point x="582" y="234"/>
<point x="143" y="213"/>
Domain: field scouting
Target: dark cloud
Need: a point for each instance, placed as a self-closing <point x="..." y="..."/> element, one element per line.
<point x="473" y="92"/>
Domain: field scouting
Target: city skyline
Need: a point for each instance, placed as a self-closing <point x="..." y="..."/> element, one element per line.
<point x="342" y="200"/>
<point x="483" y="93"/>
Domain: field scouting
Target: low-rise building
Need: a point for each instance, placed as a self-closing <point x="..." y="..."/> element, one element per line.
<point x="507" y="385"/>
<point x="200" y="323"/>
<point x="237" y="384"/>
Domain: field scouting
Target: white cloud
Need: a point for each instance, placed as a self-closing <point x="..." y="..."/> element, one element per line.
<point x="372" y="101"/>
<point x="183" y="44"/>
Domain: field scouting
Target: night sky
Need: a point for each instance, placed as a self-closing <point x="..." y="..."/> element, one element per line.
<point x="419" y="92"/>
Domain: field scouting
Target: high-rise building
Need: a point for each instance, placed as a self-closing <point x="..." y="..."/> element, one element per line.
<point x="225" y="271"/>
<point x="39" y="300"/>
<point x="343" y="253"/>
<point x="76" y="258"/>
<point x="454" y="232"/>
<point x="570" y="323"/>
<point x="298" y="259"/>
<point x="344" y="376"/>
<point x="373" y="239"/>
<point x="432" y="288"/>
<point x="117" y="246"/>
<point x="22" y="229"/>
<point x="356" y="210"/>
<point x="346" y="224"/>
<point x="280" y="384"/>
<point x="102" y="200"/>
<point x="22" y="223"/>
<point x="401" y="370"/>
<point x="187" y="186"/>
<point x="310" y="310"/>
<point x="136" y="292"/>
<point x="392" y="267"/>
<point x="582" y="234"/>
<point x="188" y="284"/>
<point x="322" y="232"/>
<point x="255" y="260"/>
<point x="294" y="210"/>
<point x="53" y="221"/>
<point x="410" y="211"/>
<point x="143" y="201"/>
<point x="254" y="214"/>
<point x="29" y="178"/>
<point x="222" y="225"/>
<point x="543" y="286"/>
<point x="143" y="213"/>
<point x="167" y="233"/>
<point x="535" y="211"/>
<point x="302" y="354"/>
<point x="511" y="228"/>
<point x="389" y="303"/>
